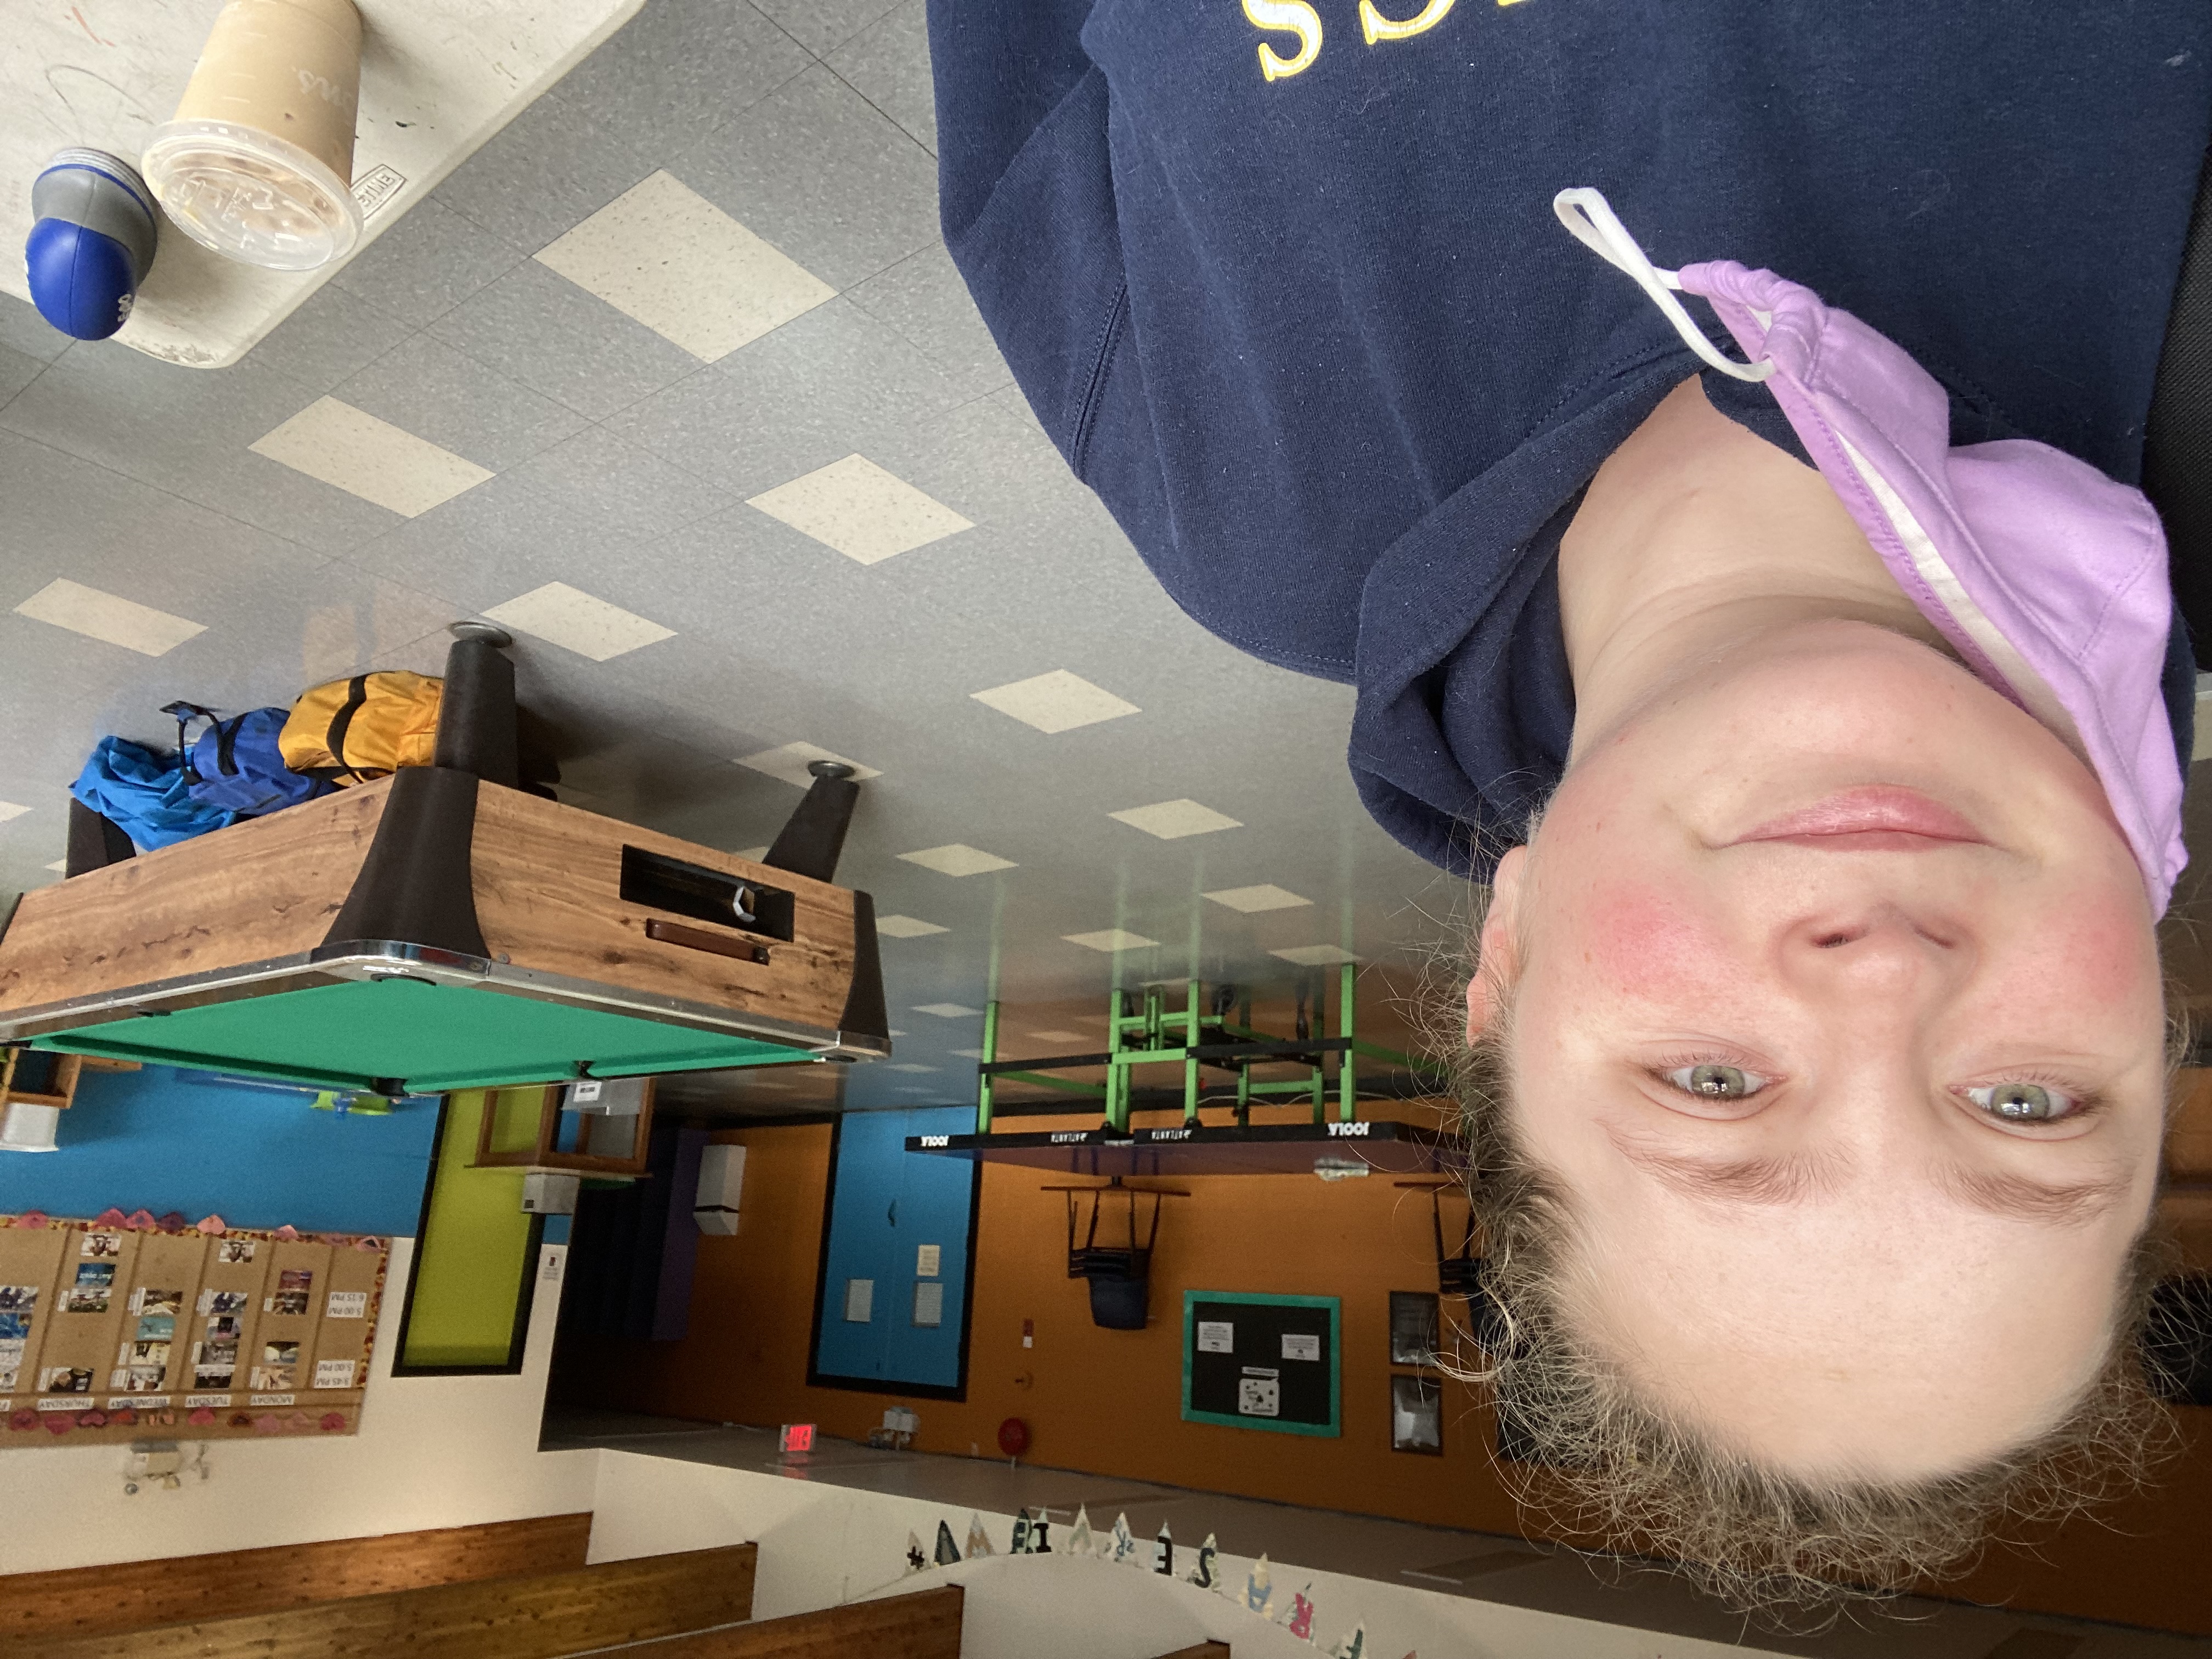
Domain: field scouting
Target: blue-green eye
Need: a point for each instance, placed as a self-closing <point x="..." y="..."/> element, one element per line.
<point x="1717" y="1082"/>
<point x="2024" y="1103"/>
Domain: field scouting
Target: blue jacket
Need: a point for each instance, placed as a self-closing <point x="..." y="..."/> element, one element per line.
<point x="1281" y="280"/>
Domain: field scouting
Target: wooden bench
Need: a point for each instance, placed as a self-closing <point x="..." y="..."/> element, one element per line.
<point x="133" y="1595"/>
<point x="538" y="1616"/>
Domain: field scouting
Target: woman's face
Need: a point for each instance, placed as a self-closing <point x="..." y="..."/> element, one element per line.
<point x="1837" y="1011"/>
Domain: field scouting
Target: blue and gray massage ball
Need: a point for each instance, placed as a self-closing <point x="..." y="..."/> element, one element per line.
<point x="92" y="241"/>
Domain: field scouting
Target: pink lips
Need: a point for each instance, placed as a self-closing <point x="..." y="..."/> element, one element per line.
<point x="1880" y="817"/>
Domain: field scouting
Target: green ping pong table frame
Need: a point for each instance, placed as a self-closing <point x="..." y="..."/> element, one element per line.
<point x="1156" y="1035"/>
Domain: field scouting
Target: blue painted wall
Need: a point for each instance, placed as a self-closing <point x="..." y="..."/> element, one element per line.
<point x="163" y="1140"/>
<point x="884" y="1202"/>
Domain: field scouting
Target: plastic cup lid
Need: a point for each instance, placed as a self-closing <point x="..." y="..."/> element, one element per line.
<point x="251" y="196"/>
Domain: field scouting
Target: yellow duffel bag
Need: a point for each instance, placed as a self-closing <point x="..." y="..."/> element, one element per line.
<point x="353" y="731"/>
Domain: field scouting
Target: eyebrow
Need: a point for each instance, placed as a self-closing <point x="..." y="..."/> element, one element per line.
<point x="2022" y="1199"/>
<point x="1770" y="1180"/>
<point x="1784" y="1180"/>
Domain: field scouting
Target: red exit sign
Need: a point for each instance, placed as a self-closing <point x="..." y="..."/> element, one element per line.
<point x="797" y="1437"/>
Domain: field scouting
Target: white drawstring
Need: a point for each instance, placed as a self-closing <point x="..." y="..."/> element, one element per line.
<point x="1590" y="218"/>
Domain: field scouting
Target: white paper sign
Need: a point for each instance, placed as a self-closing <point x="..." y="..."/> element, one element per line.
<point x="269" y="1399"/>
<point x="1301" y="1345"/>
<point x="860" y="1301"/>
<point x="334" y="1373"/>
<point x="1217" y="1336"/>
<point x="929" y="1302"/>
<point x="348" y="1304"/>
<point x="1259" y="1396"/>
<point x="926" y="1258"/>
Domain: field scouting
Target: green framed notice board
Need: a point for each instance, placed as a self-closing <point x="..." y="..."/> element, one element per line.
<point x="1256" y="1361"/>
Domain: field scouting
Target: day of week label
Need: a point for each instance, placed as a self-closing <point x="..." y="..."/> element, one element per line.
<point x="66" y="1403"/>
<point x="139" y="1402"/>
<point x="268" y="1399"/>
<point x="217" y="1401"/>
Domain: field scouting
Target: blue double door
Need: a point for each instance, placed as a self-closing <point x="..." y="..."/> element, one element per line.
<point x="894" y="1291"/>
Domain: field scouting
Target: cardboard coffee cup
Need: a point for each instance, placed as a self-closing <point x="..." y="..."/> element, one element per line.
<point x="258" y="160"/>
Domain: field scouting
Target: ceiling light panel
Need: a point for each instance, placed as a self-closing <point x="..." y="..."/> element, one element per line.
<point x="352" y="450"/>
<point x="576" y="621"/>
<point x="665" y="255"/>
<point x="1171" y="820"/>
<point x="860" y="510"/>
<point x="1056" y="702"/>
<point x="958" y="859"/>
<point x="108" y="618"/>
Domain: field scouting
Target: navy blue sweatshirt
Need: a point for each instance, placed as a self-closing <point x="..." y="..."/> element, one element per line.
<point x="1292" y="301"/>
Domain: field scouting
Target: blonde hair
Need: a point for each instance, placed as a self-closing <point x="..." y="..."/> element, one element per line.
<point x="1608" y="1462"/>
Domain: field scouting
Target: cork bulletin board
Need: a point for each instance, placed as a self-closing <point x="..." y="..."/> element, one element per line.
<point x="112" y="1333"/>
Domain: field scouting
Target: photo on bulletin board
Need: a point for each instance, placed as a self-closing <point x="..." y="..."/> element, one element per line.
<point x="1254" y="1361"/>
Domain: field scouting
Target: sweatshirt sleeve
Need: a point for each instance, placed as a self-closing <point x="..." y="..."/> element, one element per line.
<point x="1026" y="197"/>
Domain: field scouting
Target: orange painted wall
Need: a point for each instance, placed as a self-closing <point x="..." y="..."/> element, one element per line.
<point x="1096" y="1400"/>
<point x="1111" y="1401"/>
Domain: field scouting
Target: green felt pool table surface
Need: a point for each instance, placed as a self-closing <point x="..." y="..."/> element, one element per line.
<point x="434" y="1038"/>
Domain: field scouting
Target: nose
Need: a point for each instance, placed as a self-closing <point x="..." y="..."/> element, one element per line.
<point x="1872" y="948"/>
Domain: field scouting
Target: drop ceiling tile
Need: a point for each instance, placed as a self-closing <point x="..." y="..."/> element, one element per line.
<point x="546" y="169"/>
<point x="483" y="546"/>
<point x="427" y="263"/>
<point x="816" y="170"/>
<point x="1055" y="702"/>
<point x="790" y="762"/>
<point x="133" y="537"/>
<point x="22" y="329"/>
<point x="618" y="490"/>
<point x="665" y="255"/>
<point x="356" y="452"/>
<point x="923" y="297"/>
<point x="677" y="70"/>
<point x="17" y="370"/>
<point x="1111" y="940"/>
<point x="822" y="386"/>
<point x="1171" y="820"/>
<point x="357" y="623"/>
<point x="576" y="621"/>
<point x="1316" y="956"/>
<point x="541" y="328"/>
<point x="426" y="387"/>
<point x="108" y="618"/>
<point x="946" y="1011"/>
<point x="906" y="927"/>
<point x="958" y="859"/>
<point x="1252" y="901"/>
<point x="888" y="64"/>
<point x="332" y="335"/>
<point x="187" y="431"/>
<point x="862" y="511"/>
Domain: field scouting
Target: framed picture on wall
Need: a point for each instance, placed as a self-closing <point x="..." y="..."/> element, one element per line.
<point x="1412" y="1327"/>
<point x="1416" y="1415"/>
